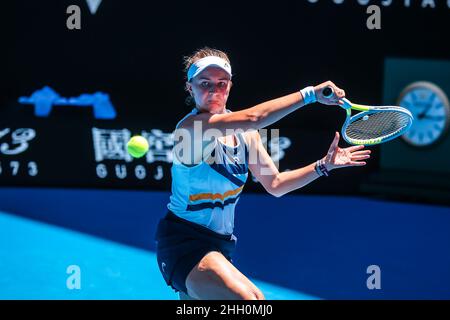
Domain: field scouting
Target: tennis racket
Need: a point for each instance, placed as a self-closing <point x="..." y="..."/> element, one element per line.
<point x="374" y="124"/>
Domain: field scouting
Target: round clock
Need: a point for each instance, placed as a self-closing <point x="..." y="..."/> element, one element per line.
<point x="431" y="110"/>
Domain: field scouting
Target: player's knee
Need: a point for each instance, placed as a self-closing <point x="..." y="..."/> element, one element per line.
<point x="209" y="263"/>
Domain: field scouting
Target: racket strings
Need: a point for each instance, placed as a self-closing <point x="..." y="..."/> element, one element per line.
<point x="378" y="125"/>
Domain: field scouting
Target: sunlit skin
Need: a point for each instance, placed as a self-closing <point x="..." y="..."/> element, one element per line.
<point x="214" y="277"/>
<point x="210" y="89"/>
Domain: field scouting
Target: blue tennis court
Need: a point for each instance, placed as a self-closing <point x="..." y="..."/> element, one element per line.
<point x="355" y="147"/>
<point x="304" y="247"/>
<point x="35" y="257"/>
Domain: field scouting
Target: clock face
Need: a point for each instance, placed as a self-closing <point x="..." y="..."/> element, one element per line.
<point x="431" y="110"/>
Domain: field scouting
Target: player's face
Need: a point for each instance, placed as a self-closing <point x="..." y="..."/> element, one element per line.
<point x="210" y="89"/>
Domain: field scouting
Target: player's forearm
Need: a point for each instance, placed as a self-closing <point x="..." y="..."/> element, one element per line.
<point x="288" y="181"/>
<point x="269" y="112"/>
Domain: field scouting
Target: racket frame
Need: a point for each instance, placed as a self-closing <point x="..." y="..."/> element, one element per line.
<point x="367" y="110"/>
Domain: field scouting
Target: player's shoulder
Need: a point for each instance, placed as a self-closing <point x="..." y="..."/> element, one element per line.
<point x="188" y="120"/>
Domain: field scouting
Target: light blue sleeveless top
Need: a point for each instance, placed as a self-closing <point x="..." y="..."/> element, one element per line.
<point x="208" y="192"/>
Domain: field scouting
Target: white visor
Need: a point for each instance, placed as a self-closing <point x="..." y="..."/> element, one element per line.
<point x="205" y="62"/>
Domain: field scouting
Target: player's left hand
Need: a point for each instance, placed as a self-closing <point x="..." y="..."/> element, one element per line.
<point x="345" y="157"/>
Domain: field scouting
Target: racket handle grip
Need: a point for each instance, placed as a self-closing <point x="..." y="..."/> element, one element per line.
<point x="327" y="92"/>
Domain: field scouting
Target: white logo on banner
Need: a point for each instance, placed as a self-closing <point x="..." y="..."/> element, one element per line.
<point x="160" y="145"/>
<point x="111" y="144"/>
<point x="20" y="139"/>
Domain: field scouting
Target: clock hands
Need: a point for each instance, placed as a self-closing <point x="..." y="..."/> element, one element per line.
<point x="428" y="107"/>
<point x="431" y="110"/>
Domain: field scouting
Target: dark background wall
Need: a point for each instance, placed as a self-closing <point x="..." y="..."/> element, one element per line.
<point x="133" y="52"/>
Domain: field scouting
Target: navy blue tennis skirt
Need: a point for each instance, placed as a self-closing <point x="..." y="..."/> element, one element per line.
<point x="181" y="244"/>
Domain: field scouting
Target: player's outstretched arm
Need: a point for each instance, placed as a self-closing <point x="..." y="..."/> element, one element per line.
<point x="278" y="184"/>
<point x="266" y="113"/>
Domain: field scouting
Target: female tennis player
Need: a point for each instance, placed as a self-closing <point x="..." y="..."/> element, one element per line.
<point x="195" y="240"/>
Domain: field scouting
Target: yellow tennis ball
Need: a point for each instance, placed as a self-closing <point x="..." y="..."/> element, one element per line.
<point x="137" y="146"/>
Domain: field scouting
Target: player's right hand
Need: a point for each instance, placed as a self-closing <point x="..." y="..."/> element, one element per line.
<point x="334" y="99"/>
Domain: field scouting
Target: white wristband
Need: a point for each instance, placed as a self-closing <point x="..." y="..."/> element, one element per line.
<point x="316" y="168"/>
<point x="309" y="95"/>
